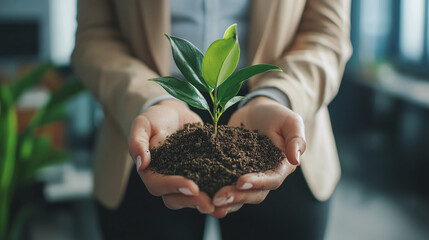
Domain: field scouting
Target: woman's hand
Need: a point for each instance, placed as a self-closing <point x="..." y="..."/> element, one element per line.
<point x="149" y="130"/>
<point x="286" y="129"/>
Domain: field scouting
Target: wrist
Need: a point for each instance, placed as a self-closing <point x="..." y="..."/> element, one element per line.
<point x="179" y="109"/>
<point x="173" y="102"/>
<point x="269" y="92"/>
<point x="261" y="100"/>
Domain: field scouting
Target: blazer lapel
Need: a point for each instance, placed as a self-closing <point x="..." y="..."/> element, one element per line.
<point x="156" y="22"/>
<point x="261" y="17"/>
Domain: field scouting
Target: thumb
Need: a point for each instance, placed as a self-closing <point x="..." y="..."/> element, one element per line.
<point x="295" y="147"/>
<point x="294" y="136"/>
<point x="139" y="142"/>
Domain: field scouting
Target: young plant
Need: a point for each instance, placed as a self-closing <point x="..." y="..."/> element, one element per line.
<point x="212" y="73"/>
<point x="22" y="155"/>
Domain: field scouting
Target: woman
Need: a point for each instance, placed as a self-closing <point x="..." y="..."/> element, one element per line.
<point x="120" y="44"/>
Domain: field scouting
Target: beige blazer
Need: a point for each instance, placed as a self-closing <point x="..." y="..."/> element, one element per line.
<point x="120" y="44"/>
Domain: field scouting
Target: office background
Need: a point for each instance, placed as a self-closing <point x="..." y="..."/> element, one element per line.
<point x="380" y="119"/>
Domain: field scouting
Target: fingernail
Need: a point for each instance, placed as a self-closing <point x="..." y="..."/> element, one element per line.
<point x="233" y="209"/>
<point x="186" y="191"/>
<point x="138" y="162"/>
<point x="222" y="201"/>
<point x="298" y="155"/>
<point x="201" y="211"/>
<point x="246" y="186"/>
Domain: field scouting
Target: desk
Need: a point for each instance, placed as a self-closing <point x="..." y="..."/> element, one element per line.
<point x="388" y="80"/>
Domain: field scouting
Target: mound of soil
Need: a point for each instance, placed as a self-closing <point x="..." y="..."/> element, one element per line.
<point x="214" y="162"/>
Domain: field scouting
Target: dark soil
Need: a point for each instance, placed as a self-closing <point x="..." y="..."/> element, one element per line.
<point x="214" y="162"/>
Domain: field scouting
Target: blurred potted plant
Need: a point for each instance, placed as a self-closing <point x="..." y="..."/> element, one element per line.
<point x="23" y="154"/>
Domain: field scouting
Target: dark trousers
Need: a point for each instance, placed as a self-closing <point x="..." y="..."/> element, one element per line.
<point x="290" y="212"/>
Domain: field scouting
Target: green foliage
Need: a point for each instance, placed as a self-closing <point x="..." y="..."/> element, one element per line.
<point x="41" y="155"/>
<point x="232" y="85"/>
<point x="21" y="156"/>
<point x="184" y="91"/>
<point x="23" y="214"/>
<point x="54" y="109"/>
<point x="8" y="137"/>
<point x="29" y="80"/>
<point x="188" y="59"/>
<point x="231" y="102"/>
<point x="212" y="73"/>
<point x="221" y="58"/>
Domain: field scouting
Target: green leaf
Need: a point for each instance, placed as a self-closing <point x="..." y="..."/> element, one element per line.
<point x="189" y="60"/>
<point x="67" y="91"/>
<point x="231" y="102"/>
<point x="21" y="85"/>
<point x="183" y="90"/>
<point x="233" y="84"/>
<point x="25" y="146"/>
<point x="231" y="32"/>
<point x="54" y="109"/>
<point x="51" y="114"/>
<point x="221" y="58"/>
<point x="8" y="138"/>
<point x="19" y="220"/>
<point x="8" y="141"/>
<point x="42" y="155"/>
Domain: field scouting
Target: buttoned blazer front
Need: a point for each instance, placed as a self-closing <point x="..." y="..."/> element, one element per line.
<point x="120" y="44"/>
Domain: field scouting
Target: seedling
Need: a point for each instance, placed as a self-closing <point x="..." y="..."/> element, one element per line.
<point x="212" y="73"/>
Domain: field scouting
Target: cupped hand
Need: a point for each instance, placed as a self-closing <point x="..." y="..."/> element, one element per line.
<point x="285" y="128"/>
<point x="149" y="130"/>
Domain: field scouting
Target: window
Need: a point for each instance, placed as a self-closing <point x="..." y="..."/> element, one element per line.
<point x="412" y="30"/>
<point x="395" y="31"/>
<point x="374" y="28"/>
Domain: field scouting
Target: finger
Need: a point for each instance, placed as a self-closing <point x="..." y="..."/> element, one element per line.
<point x="178" y="201"/>
<point x="268" y="180"/>
<point x="293" y="132"/>
<point x="139" y="142"/>
<point x="158" y="184"/>
<point x="221" y="212"/>
<point x="294" y="149"/>
<point x="234" y="208"/>
<point x="158" y="139"/>
<point x="231" y="195"/>
<point x="235" y="121"/>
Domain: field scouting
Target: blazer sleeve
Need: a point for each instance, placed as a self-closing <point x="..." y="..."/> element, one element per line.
<point x="105" y="64"/>
<point x="313" y="66"/>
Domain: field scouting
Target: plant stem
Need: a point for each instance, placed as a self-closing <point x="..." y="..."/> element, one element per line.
<point x="215" y="112"/>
